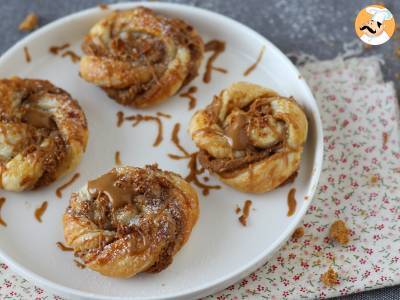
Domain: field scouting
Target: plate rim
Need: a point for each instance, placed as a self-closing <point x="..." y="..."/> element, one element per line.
<point x="255" y="262"/>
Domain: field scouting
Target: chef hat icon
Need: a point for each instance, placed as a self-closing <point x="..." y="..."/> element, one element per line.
<point x="379" y="14"/>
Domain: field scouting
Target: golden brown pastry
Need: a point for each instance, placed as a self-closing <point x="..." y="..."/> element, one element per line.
<point x="250" y="137"/>
<point x="140" y="58"/>
<point x="43" y="133"/>
<point x="131" y="220"/>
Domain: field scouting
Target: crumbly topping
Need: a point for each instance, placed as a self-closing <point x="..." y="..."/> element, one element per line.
<point x="298" y="233"/>
<point x="30" y="22"/>
<point x="330" y="278"/>
<point x="339" y="232"/>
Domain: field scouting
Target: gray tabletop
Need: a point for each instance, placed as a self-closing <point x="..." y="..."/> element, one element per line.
<point x="322" y="28"/>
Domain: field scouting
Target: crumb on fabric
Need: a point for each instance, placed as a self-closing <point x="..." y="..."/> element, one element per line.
<point x="30" y="22"/>
<point x="330" y="277"/>
<point x="339" y="232"/>
<point x="298" y="233"/>
<point x="374" y="179"/>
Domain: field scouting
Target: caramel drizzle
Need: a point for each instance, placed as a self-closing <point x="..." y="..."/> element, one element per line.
<point x="120" y="118"/>
<point x="40" y="211"/>
<point x="194" y="171"/>
<point x="27" y="55"/>
<point x="72" y="55"/>
<point x="237" y="209"/>
<point x="189" y="94"/>
<point x="176" y="141"/>
<point x="56" y="49"/>
<point x="291" y="200"/>
<point x="141" y="118"/>
<point x="105" y="184"/>
<point x="62" y="247"/>
<point x="79" y="264"/>
<point x="246" y="212"/>
<point x="217" y="47"/>
<point x="2" y="201"/>
<point x="161" y="114"/>
<point x="67" y="184"/>
<point x="253" y="66"/>
<point x="117" y="158"/>
<point x="290" y="179"/>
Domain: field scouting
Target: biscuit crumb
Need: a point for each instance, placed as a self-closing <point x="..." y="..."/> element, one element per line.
<point x="30" y="22"/>
<point x="339" y="232"/>
<point x="385" y="137"/>
<point x="298" y="233"/>
<point x="374" y="179"/>
<point x="330" y="278"/>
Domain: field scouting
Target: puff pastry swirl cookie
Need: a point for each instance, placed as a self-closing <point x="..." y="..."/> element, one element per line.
<point x="250" y="137"/>
<point x="131" y="220"/>
<point x="43" y="133"/>
<point x="140" y="58"/>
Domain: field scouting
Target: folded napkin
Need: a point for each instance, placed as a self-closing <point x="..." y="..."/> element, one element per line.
<point x="359" y="184"/>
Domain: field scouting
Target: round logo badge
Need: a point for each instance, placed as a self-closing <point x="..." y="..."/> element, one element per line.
<point x="375" y="24"/>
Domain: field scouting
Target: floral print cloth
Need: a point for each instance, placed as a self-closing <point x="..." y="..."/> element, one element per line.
<point x="359" y="184"/>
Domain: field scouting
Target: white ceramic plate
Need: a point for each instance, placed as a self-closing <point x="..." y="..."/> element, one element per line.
<point x="220" y="250"/>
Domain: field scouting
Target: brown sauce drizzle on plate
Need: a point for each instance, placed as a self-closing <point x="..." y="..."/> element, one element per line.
<point x="194" y="171"/>
<point x="291" y="200"/>
<point x="56" y="49"/>
<point x="246" y="212"/>
<point x="79" y="264"/>
<point x="27" y="55"/>
<point x="2" y="222"/>
<point x="161" y="114"/>
<point x="67" y="184"/>
<point x="217" y="47"/>
<point x="253" y="66"/>
<point x="237" y="209"/>
<point x="120" y="118"/>
<point x="72" y="55"/>
<point x="117" y="158"/>
<point x="62" y="247"/>
<point x="176" y="141"/>
<point x="140" y="118"/>
<point x="189" y="94"/>
<point x="40" y="211"/>
<point x="290" y="179"/>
